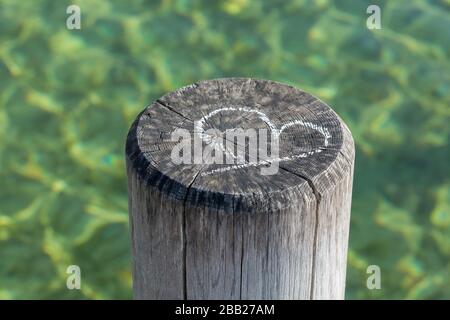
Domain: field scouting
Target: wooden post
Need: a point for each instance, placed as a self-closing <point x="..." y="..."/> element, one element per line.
<point x="227" y="231"/>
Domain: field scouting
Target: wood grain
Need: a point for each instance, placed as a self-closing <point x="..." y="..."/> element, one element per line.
<point x="212" y="231"/>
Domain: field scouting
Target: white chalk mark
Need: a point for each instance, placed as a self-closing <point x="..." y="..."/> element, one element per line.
<point x="199" y="125"/>
<point x="323" y="131"/>
<point x="265" y="162"/>
<point x="200" y="130"/>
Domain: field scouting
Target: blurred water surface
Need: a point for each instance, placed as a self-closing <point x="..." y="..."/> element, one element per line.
<point x="67" y="98"/>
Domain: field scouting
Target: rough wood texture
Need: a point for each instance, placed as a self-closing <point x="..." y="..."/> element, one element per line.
<point x="226" y="232"/>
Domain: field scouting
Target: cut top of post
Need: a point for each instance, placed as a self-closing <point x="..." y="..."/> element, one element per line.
<point x="239" y="144"/>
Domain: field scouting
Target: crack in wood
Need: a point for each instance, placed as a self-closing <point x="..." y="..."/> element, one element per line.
<point x="184" y="267"/>
<point x="166" y="105"/>
<point x="318" y="198"/>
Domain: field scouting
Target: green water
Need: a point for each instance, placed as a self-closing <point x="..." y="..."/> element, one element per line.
<point x="67" y="98"/>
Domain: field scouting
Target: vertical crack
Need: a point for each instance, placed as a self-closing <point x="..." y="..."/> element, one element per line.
<point x="316" y="226"/>
<point x="183" y="232"/>
<point x="267" y="258"/>
<point x="242" y="255"/>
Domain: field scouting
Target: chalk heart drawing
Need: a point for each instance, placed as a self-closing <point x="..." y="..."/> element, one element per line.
<point x="199" y="128"/>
